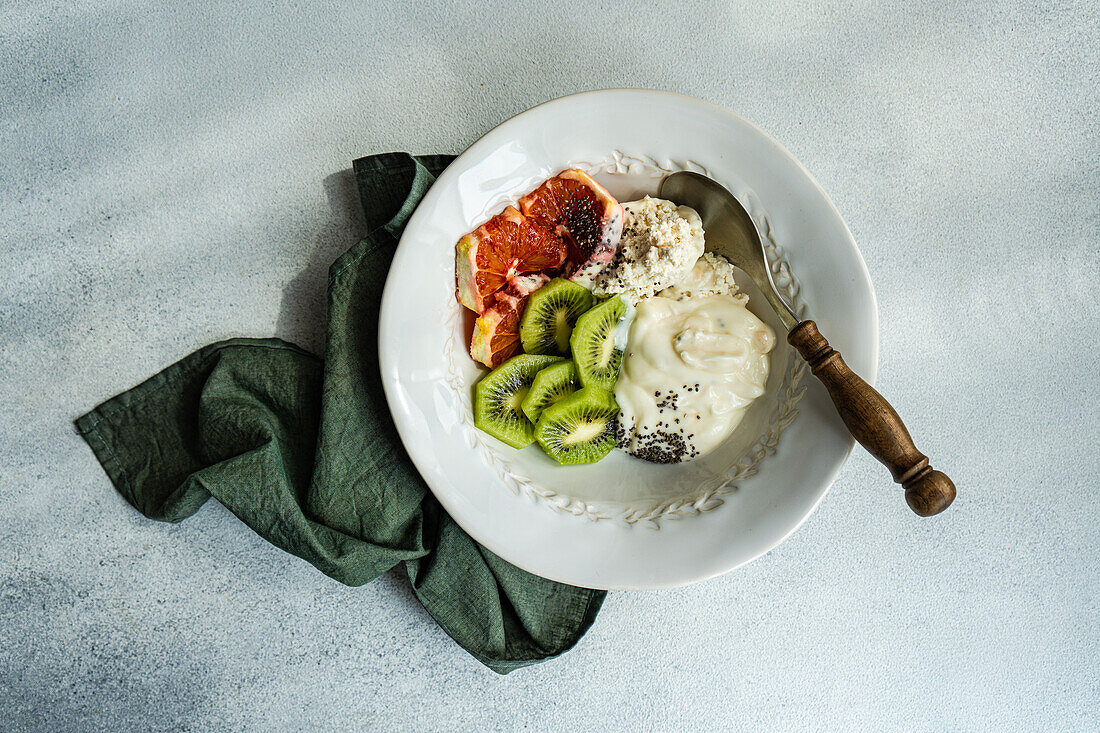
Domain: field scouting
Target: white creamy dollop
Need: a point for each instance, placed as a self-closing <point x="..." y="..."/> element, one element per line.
<point x="692" y="368"/>
<point x="661" y="242"/>
<point x="711" y="275"/>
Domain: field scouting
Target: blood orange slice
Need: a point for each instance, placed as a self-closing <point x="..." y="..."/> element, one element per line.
<point x="582" y="211"/>
<point x="507" y="245"/>
<point x="496" y="332"/>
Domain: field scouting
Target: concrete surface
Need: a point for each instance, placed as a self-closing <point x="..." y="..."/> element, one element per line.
<point x="171" y="177"/>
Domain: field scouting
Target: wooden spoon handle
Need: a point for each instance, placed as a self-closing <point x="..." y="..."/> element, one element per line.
<point x="874" y="423"/>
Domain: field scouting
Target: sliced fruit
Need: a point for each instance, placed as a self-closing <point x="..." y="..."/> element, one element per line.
<point x="552" y="384"/>
<point x="498" y="396"/>
<point x="579" y="428"/>
<point x="550" y="315"/>
<point x="581" y="210"/>
<point x="593" y="343"/>
<point x="496" y="331"/>
<point x="507" y="245"/>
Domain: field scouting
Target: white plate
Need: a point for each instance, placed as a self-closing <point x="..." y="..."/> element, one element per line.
<point x="625" y="523"/>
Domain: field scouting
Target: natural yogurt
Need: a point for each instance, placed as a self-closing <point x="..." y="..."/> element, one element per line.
<point x="696" y="359"/>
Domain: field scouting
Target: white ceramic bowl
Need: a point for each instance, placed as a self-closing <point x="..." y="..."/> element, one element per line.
<point x="622" y="522"/>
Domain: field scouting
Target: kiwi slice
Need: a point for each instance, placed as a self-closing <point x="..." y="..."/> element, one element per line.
<point x="593" y="342"/>
<point x="498" y="396"/>
<point x="554" y="383"/>
<point x="550" y="314"/>
<point x="579" y="428"/>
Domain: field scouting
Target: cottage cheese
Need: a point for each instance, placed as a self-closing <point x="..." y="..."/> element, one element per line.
<point x="711" y="275"/>
<point x="661" y="243"/>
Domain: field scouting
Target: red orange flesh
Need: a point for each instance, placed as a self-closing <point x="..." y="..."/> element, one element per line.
<point x="582" y="211"/>
<point x="496" y="332"/>
<point x="507" y="245"/>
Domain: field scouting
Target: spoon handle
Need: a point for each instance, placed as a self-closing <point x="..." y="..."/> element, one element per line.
<point x="874" y="423"/>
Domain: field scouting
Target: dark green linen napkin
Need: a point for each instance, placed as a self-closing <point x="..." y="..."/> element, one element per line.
<point x="304" y="451"/>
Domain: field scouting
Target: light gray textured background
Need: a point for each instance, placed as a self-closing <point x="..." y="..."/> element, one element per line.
<point x="172" y="177"/>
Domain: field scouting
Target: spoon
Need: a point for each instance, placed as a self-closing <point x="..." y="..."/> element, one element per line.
<point x="867" y="415"/>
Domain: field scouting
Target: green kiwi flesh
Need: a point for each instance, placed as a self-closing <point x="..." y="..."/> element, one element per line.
<point x="552" y="384"/>
<point x="498" y="399"/>
<point x="580" y="428"/>
<point x="550" y="314"/>
<point x="593" y="343"/>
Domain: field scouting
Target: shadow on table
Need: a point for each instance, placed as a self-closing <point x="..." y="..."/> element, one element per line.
<point x="302" y="311"/>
